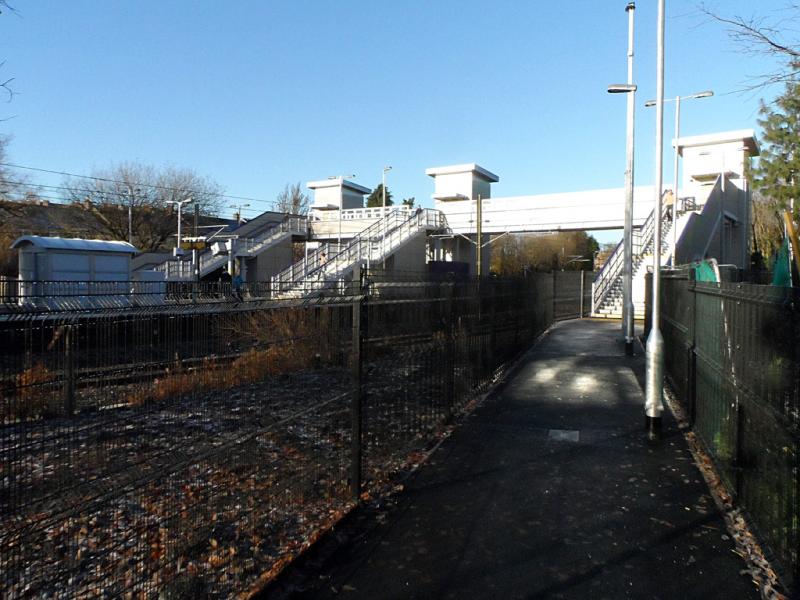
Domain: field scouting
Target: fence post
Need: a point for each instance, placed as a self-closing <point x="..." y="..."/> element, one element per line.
<point x="493" y="324"/>
<point x="69" y="373"/>
<point x="450" y="359"/>
<point x="691" y="371"/>
<point x="555" y="274"/>
<point x="357" y="400"/>
<point x="582" y="285"/>
<point x="648" y="304"/>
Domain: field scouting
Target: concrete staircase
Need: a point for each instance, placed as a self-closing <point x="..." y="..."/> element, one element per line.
<point x="253" y="245"/>
<point x="330" y="267"/>
<point x="607" y="287"/>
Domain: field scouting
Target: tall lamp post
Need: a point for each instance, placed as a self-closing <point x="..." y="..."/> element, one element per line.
<point x="627" y="240"/>
<point x="179" y="204"/>
<point x="677" y="99"/>
<point x="383" y="213"/>
<point x="383" y="186"/>
<point x="654" y="374"/>
<point x="239" y="208"/>
<point x="130" y="213"/>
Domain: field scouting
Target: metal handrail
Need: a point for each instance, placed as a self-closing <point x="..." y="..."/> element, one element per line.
<point x="208" y="261"/>
<point x="642" y="240"/>
<point x="372" y="244"/>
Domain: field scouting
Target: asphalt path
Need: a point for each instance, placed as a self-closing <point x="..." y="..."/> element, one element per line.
<point x="550" y="489"/>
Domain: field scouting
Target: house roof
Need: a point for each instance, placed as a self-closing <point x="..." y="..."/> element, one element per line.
<point x="59" y="243"/>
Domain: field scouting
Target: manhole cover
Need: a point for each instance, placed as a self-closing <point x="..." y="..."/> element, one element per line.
<point x="564" y="435"/>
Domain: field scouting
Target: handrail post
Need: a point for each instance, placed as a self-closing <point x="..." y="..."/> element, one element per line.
<point x="357" y="400"/>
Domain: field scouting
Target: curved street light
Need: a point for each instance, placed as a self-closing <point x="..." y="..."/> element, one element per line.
<point x="677" y="100"/>
<point x="627" y="239"/>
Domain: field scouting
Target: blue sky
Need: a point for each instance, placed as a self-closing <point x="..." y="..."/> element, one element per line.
<point x="260" y="94"/>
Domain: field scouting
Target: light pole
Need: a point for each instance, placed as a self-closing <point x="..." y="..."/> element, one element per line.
<point x="179" y="204"/>
<point x="627" y="240"/>
<point x="383" y="213"/>
<point x="383" y="186"/>
<point x="130" y="214"/>
<point x="239" y="208"/>
<point x="677" y="99"/>
<point x="654" y="376"/>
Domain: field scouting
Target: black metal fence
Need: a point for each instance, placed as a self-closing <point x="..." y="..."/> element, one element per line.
<point x="192" y="450"/>
<point x="732" y="355"/>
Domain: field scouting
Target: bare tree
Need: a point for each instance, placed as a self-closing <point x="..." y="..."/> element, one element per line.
<point x="5" y="83"/>
<point x="516" y="253"/>
<point x="143" y="194"/>
<point x="774" y="35"/>
<point x="12" y="184"/>
<point x="5" y="175"/>
<point x="292" y="200"/>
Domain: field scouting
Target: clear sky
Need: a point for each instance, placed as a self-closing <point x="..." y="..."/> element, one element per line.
<point x="257" y="94"/>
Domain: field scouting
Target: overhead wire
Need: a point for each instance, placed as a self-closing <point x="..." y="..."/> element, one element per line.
<point x="132" y="184"/>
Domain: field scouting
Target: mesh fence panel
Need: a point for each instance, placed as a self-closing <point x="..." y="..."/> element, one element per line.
<point x="733" y="357"/>
<point x="162" y="451"/>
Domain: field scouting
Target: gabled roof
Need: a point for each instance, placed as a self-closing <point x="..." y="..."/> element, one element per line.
<point x="59" y="243"/>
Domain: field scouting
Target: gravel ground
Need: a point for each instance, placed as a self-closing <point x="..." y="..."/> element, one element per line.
<point x="203" y="494"/>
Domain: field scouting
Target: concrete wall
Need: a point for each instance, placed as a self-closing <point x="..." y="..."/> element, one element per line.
<point x="330" y="229"/>
<point x="411" y="256"/>
<point x="455" y="184"/>
<point x="271" y="261"/>
<point x="706" y="163"/>
<point x="339" y="196"/>
<point x="720" y="230"/>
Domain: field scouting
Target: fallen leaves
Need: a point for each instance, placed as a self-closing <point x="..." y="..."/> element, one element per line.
<point x="746" y="544"/>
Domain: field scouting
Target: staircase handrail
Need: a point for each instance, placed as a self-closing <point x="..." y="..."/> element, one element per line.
<point x="616" y="263"/>
<point x="290" y="224"/>
<point x="394" y="228"/>
<point x="207" y="260"/>
<point x="642" y="241"/>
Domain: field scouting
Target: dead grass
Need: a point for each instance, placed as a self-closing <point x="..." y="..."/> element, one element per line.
<point x="283" y="342"/>
<point x="33" y="394"/>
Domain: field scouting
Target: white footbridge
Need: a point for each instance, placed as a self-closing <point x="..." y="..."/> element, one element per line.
<point x="713" y="219"/>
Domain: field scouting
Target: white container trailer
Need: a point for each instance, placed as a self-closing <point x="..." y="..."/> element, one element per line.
<point x="73" y="273"/>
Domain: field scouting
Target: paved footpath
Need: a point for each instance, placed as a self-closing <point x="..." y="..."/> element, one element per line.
<point x="549" y="490"/>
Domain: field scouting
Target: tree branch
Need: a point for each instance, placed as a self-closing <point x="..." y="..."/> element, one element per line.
<point x="757" y="36"/>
